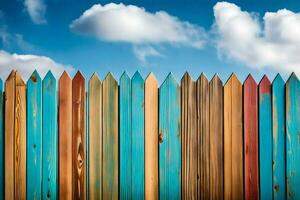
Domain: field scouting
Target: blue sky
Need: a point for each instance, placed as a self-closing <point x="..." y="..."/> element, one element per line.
<point x="235" y="36"/>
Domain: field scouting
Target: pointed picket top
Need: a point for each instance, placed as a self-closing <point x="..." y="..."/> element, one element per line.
<point x="19" y="80"/>
<point x="12" y="75"/>
<point x="202" y="77"/>
<point x="264" y="85"/>
<point x="137" y="77"/>
<point x="34" y="78"/>
<point x="124" y="76"/>
<point x="110" y="78"/>
<point x="187" y="77"/>
<point x="78" y="76"/>
<point x="278" y="80"/>
<point x="170" y="79"/>
<point x="232" y="79"/>
<point x="65" y="76"/>
<point x="216" y="79"/>
<point x="95" y="78"/>
<point x="49" y="76"/>
<point x="293" y="77"/>
<point x="265" y="80"/>
<point x="151" y="79"/>
<point x="250" y="80"/>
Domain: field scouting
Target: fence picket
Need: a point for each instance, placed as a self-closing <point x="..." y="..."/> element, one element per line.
<point x="278" y="107"/>
<point x="34" y="136"/>
<point x="251" y="168"/>
<point x="95" y="138"/>
<point x="169" y="140"/>
<point x="110" y="138"/>
<point x="65" y="137"/>
<point x="1" y="139"/>
<point x="292" y="137"/>
<point x="50" y="139"/>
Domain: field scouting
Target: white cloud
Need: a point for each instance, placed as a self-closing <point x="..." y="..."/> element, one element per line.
<point x="144" y="51"/>
<point x="36" y="10"/>
<point x="26" y="64"/>
<point x="273" y="42"/>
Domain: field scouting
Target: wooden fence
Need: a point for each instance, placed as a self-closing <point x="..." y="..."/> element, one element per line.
<point x="135" y="140"/>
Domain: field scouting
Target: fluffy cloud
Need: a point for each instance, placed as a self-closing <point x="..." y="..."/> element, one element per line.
<point x="273" y="42"/>
<point x="132" y="24"/>
<point x="36" y="10"/>
<point x="26" y="64"/>
<point x="144" y="51"/>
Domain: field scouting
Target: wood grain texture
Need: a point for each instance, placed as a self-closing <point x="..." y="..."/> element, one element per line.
<point x="292" y="137"/>
<point x="251" y="168"/>
<point x="169" y="140"/>
<point x="265" y="139"/>
<point x="216" y="172"/>
<point x="110" y="138"/>
<point x="1" y="140"/>
<point x="79" y="137"/>
<point x="50" y="138"/>
<point x="189" y="137"/>
<point x="138" y="136"/>
<point x="233" y="139"/>
<point x="20" y="139"/>
<point x="10" y="90"/>
<point x="65" y="137"/>
<point x="34" y="136"/>
<point x="203" y="137"/>
<point x="125" y="137"/>
<point x="151" y="137"/>
<point x="95" y="138"/>
<point x="278" y="117"/>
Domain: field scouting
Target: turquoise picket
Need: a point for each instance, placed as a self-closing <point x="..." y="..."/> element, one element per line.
<point x="34" y="136"/>
<point x="265" y="139"/>
<point x="292" y="137"/>
<point x="125" y="137"/>
<point x="137" y="140"/>
<point x="278" y="104"/>
<point x="1" y="140"/>
<point x="169" y="140"/>
<point x="50" y="138"/>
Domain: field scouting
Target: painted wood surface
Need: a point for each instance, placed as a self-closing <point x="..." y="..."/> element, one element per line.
<point x="34" y="136"/>
<point x="79" y="137"/>
<point x="151" y="137"/>
<point x="189" y="137"/>
<point x="265" y="139"/>
<point x="233" y="139"/>
<point x="10" y="88"/>
<point x="251" y="168"/>
<point x="292" y="137"/>
<point x="110" y="138"/>
<point x="95" y="138"/>
<point x="1" y="139"/>
<point x="169" y="140"/>
<point x="138" y="136"/>
<point x="125" y="137"/>
<point x="203" y="137"/>
<point x="65" y="137"/>
<point x="278" y="116"/>
<point x="50" y="138"/>
<point x="216" y="172"/>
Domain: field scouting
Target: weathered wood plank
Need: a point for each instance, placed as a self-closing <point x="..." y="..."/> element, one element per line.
<point x="79" y="137"/>
<point x="278" y="107"/>
<point x="265" y="139"/>
<point x="292" y="137"/>
<point x="110" y="138"/>
<point x="65" y="137"/>
<point x="203" y="137"/>
<point x="216" y="172"/>
<point x="1" y="140"/>
<point x="233" y="139"/>
<point x="151" y="138"/>
<point x="34" y="137"/>
<point x="169" y="140"/>
<point x="138" y="136"/>
<point x="189" y="137"/>
<point x="95" y="138"/>
<point x="125" y="137"/>
<point x="10" y="90"/>
<point x="20" y="139"/>
<point x="50" y="138"/>
<point x="251" y="168"/>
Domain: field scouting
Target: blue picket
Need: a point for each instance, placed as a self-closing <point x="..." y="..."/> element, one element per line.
<point x="34" y="136"/>
<point x="278" y="103"/>
<point x="137" y="140"/>
<point x="50" y="138"/>
<point x="125" y="137"/>
<point x="265" y="139"/>
<point x="169" y="140"/>
<point x="1" y="140"/>
<point x="292" y="137"/>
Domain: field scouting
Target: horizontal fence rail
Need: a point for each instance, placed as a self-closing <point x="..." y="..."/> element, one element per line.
<point x="133" y="139"/>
